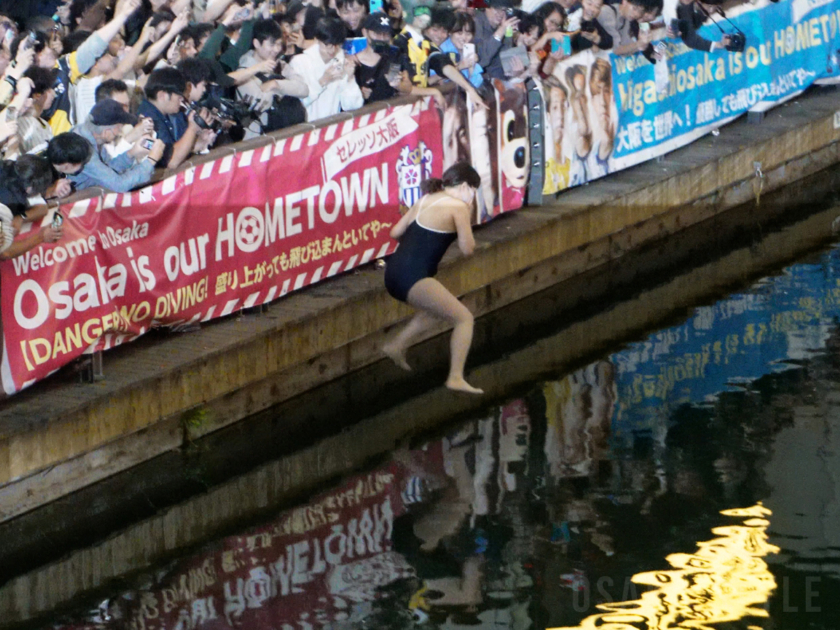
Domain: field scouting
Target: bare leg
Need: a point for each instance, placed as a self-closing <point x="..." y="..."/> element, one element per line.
<point x="397" y="347"/>
<point x="431" y="296"/>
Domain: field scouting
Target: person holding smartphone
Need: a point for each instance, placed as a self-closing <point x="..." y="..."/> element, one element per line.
<point x="328" y="75"/>
<point x="80" y="154"/>
<point x="494" y="29"/>
<point x="378" y="72"/>
<point x="461" y="48"/>
<point x="592" y="33"/>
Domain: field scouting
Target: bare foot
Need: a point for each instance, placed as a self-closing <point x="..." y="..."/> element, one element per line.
<point x="460" y="385"/>
<point x="397" y="355"/>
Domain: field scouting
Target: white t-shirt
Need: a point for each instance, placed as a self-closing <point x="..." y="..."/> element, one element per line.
<point x="85" y="97"/>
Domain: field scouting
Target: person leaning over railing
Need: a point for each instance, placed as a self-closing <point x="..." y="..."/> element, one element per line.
<point x="622" y="21"/>
<point x="279" y="96"/>
<point x="460" y="36"/>
<point x="28" y="188"/>
<point x="419" y="44"/>
<point x="80" y="155"/>
<point x="690" y="15"/>
<point x="166" y="93"/>
<point x="494" y="28"/>
<point x="378" y="71"/>
<point x="328" y="74"/>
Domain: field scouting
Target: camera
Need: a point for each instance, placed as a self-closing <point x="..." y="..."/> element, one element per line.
<point x="147" y="144"/>
<point x="223" y="109"/>
<point x="737" y="42"/>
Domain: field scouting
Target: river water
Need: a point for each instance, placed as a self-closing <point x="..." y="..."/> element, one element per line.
<point x="689" y="480"/>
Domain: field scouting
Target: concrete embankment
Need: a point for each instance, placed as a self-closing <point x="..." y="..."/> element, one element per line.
<point x="60" y="437"/>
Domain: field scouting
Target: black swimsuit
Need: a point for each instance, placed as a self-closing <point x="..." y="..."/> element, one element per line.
<point x="416" y="258"/>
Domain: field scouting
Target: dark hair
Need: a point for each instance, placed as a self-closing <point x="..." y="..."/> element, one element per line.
<point x="544" y="10"/>
<point x="457" y="174"/>
<point x="107" y="88"/>
<point x="266" y="29"/>
<point x="295" y="7"/>
<point x="78" y="8"/>
<point x="310" y="21"/>
<point x="444" y="18"/>
<point x="196" y="32"/>
<point x="69" y="148"/>
<point x="463" y="22"/>
<point x="196" y="70"/>
<point x="42" y="78"/>
<point x="528" y="21"/>
<point x="75" y="39"/>
<point x="330" y="30"/>
<point x="35" y="172"/>
<point x="40" y="23"/>
<point x="164" y="15"/>
<point x="40" y="43"/>
<point x="169" y="80"/>
<point x="340" y="4"/>
<point x="657" y="5"/>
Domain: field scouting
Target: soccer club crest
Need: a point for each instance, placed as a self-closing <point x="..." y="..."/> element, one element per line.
<point x="413" y="166"/>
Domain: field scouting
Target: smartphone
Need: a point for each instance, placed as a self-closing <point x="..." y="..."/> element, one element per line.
<point x="242" y="14"/>
<point x="147" y="144"/>
<point x="376" y="6"/>
<point x="31" y="40"/>
<point x="469" y="49"/>
<point x="394" y="72"/>
<point x="354" y="45"/>
<point x="57" y="220"/>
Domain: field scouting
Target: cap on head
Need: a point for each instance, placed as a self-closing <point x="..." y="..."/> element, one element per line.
<point x="379" y="23"/>
<point x="109" y="112"/>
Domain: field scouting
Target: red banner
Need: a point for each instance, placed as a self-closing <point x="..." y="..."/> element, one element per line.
<point x="316" y="565"/>
<point x="233" y="233"/>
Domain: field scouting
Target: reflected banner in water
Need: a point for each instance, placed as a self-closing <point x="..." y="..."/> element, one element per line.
<point x="725" y="580"/>
<point x="509" y="519"/>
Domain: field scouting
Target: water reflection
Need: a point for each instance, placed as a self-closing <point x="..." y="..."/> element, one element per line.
<point x="577" y="505"/>
<point x="725" y="580"/>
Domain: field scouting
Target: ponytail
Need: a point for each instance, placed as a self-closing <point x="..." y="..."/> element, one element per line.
<point x="431" y="186"/>
<point x="455" y="175"/>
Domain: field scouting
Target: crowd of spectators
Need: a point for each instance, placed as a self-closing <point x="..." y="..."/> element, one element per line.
<point x="103" y="92"/>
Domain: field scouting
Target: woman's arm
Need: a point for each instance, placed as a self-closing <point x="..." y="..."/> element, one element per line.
<point x="463" y="225"/>
<point x="402" y="225"/>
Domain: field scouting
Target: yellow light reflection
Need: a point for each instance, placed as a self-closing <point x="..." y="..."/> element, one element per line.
<point x="725" y="580"/>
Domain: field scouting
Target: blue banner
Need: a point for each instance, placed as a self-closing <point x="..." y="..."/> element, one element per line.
<point x="782" y="321"/>
<point x="606" y="112"/>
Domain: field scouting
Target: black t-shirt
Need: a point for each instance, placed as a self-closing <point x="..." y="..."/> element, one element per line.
<point x="375" y="78"/>
<point x="581" y="43"/>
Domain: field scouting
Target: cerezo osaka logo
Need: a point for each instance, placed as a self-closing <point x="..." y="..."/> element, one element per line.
<point x="413" y="167"/>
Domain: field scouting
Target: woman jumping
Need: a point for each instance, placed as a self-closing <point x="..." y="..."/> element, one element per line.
<point x="425" y="233"/>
